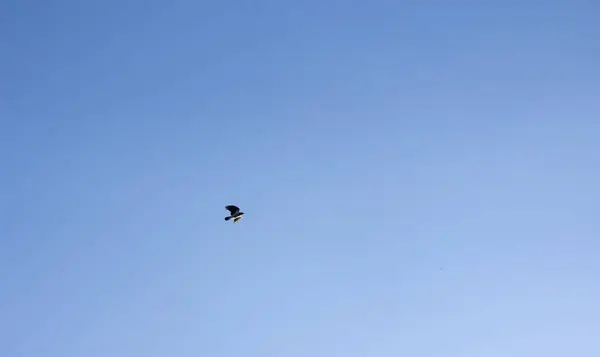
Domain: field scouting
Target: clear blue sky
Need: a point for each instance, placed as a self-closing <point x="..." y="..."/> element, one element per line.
<point x="419" y="178"/>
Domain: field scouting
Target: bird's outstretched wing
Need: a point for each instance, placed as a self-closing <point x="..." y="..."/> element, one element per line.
<point x="232" y="209"/>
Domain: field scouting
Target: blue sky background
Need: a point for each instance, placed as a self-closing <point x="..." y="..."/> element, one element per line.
<point x="420" y="178"/>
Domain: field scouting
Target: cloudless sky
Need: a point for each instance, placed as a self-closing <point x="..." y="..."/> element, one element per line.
<point x="420" y="178"/>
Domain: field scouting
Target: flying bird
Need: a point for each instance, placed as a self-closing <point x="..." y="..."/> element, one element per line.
<point x="235" y="213"/>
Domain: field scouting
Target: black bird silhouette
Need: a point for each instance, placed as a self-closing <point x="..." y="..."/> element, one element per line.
<point x="235" y="213"/>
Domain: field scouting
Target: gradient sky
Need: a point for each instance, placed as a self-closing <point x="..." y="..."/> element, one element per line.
<point x="420" y="178"/>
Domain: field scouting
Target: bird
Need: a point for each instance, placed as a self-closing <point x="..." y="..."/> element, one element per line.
<point x="235" y="213"/>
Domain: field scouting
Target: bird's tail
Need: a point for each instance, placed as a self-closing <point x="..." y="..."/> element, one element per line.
<point x="227" y="218"/>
